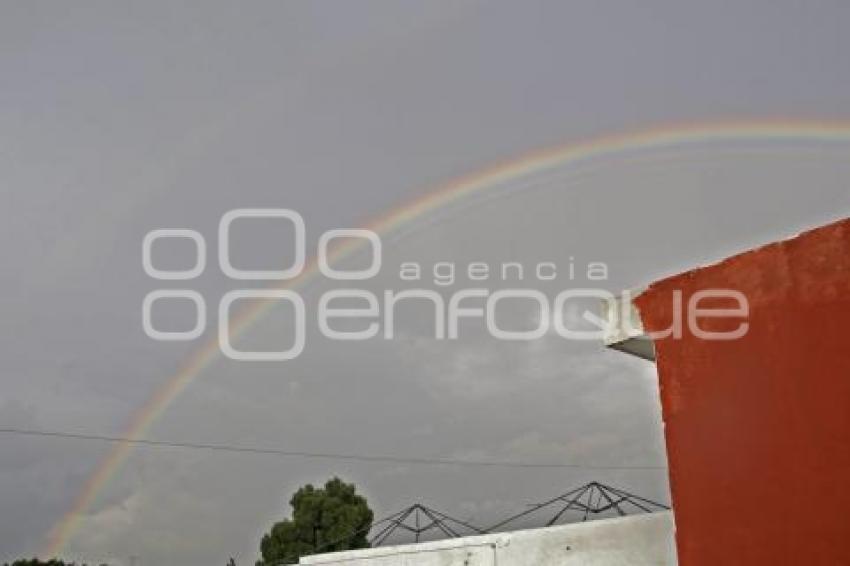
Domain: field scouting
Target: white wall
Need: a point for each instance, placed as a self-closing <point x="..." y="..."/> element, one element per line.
<point x="637" y="540"/>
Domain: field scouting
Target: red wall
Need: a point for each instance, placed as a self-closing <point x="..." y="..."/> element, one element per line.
<point x="758" y="429"/>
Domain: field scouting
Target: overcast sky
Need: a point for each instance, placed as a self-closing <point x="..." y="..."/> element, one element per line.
<point x="119" y="118"/>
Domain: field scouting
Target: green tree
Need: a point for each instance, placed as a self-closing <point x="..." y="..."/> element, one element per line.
<point x="324" y="519"/>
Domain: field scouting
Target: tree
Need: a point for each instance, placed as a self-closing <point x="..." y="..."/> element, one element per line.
<point x="323" y="520"/>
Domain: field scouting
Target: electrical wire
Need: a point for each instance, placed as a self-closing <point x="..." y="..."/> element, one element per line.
<point x="259" y="450"/>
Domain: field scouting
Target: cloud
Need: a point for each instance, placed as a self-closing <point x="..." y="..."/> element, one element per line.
<point x="117" y="126"/>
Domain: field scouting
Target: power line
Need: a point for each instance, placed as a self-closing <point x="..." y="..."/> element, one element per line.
<point x="258" y="450"/>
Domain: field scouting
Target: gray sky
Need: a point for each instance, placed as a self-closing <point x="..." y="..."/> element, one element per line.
<point x="118" y="118"/>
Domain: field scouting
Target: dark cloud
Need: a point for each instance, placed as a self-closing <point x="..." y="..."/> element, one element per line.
<point x="118" y="120"/>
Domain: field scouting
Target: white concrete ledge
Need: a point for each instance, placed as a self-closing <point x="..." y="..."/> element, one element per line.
<point x="625" y="330"/>
<point x="636" y="540"/>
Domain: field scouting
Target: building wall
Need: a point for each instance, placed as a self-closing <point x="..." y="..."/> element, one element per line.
<point x="639" y="540"/>
<point x="758" y="429"/>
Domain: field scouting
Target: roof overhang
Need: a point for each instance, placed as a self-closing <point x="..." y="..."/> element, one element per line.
<point x="624" y="330"/>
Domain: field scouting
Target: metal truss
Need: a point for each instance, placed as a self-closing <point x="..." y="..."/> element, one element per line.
<point x="590" y="499"/>
<point x="418" y="520"/>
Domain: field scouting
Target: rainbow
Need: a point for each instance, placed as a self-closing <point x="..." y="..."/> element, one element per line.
<point x="667" y="137"/>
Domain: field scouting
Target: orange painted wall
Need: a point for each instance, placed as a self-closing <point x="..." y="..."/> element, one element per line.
<point x="758" y="429"/>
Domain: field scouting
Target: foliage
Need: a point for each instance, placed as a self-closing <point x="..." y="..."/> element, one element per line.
<point x="324" y="519"/>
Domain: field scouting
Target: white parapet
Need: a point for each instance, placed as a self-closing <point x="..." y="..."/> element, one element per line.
<point x="624" y="330"/>
<point x="636" y="540"/>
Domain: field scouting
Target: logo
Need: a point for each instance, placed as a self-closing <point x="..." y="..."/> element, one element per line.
<point x="376" y="313"/>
